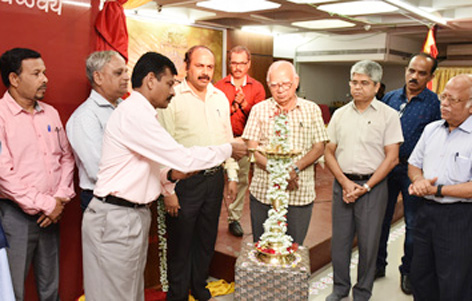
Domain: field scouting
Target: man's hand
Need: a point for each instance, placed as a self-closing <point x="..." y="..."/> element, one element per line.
<point x="292" y="181"/>
<point x="44" y="221"/>
<point x="239" y="148"/>
<point x="171" y="204"/>
<point x="351" y="191"/>
<point x="231" y="191"/>
<point x="57" y="212"/>
<point x="423" y="187"/>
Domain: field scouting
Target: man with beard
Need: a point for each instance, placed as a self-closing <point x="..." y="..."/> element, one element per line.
<point x="108" y="75"/>
<point x="116" y="223"/>
<point x="440" y="169"/>
<point x="243" y="92"/>
<point x="417" y="106"/>
<point x="198" y="115"/>
<point x="36" y="173"/>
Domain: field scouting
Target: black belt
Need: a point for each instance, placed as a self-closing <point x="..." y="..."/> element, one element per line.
<point x="114" y="200"/>
<point x="211" y="171"/>
<point x="356" y="177"/>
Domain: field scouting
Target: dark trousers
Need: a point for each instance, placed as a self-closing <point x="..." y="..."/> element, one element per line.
<point x="442" y="262"/>
<point x="364" y="218"/>
<point x="298" y="219"/>
<point x="192" y="235"/>
<point x="85" y="197"/>
<point x="398" y="182"/>
<point x="30" y="244"/>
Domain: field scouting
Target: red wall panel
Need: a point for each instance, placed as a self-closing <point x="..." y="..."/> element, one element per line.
<point x="64" y="41"/>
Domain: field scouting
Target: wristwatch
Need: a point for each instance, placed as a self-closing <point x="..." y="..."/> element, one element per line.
<point x="296" y="169"/>
<point x="439" y="191"/>
<point x="367" y="187"/>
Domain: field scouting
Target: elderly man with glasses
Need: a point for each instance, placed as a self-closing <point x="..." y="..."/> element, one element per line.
<point x="307" y="133"/>
<point x="440" y="169"/>
<point x="365" y="136"/>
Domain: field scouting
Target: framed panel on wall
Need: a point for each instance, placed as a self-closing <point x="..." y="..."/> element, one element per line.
<point x="173" y="40"/>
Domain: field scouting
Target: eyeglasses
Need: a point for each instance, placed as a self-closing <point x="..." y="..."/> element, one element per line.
<point x="238" y="64"/>
<point x="362" y="83"/>
<point x="443" y="97"/>
<point x="284" y="86"/>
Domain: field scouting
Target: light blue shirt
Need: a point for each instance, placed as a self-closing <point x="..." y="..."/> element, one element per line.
<point x="445" y="155"/>
<point x="85" y="129"/>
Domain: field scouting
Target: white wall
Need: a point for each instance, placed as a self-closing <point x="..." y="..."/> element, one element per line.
<point x="326" y="83"/>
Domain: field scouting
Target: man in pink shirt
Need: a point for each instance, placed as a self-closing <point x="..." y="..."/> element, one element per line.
<point x="36" y="173"/>
<point x="116" y="223"/>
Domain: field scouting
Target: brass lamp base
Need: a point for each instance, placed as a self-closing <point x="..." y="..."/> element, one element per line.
<point x="275" y="259"/>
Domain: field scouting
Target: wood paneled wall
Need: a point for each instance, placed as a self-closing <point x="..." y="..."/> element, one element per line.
<point x="261" y="47"/>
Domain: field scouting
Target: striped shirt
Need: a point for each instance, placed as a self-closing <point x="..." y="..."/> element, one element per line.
<point x="306" y="128"/>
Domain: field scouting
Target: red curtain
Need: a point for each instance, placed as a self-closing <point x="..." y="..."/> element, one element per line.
<point x="111" y="28"/>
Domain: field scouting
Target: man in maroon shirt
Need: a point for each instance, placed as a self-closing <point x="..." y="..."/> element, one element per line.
<point x="242" y="92"/>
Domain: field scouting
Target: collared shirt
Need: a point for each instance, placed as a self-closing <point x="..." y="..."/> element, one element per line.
<point x="306" y="128"/>
<point x="360" y="137"/>
<point x="192" y="121"/>
<point x="414" y="115"/>
<point x="445" y="155"/>
<point x="36" y="161"/>
<point x="253" y="91"/>
<point x="135" y="146"/>
<point x="85" y="129"/>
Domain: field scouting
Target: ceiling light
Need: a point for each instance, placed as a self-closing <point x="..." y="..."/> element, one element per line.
<point x="265" y="30"/>
<point x="310" y="1"/>
<point x="323" y="24"/>
<point x="240" y="6"/>
<point x="358" y="8"/>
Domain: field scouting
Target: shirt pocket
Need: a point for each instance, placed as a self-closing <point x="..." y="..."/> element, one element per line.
<point x="460" y="170"/>
<point x="56" y="139"/>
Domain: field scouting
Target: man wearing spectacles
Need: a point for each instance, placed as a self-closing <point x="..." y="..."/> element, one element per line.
<point x="307" y="133"/>
<point x="242" y="92"/>
<point x="365" y="136"/>
<point x="440" y="169"/>
<point x="417" y="106"/>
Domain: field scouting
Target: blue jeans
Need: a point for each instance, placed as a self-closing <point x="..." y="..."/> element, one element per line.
<point x="397" y="182"/>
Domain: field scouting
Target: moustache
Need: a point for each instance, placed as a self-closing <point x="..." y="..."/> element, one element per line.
<point x="413" y="81"/>
<point x="446" y="109"/>
<point x="204" y="77"/>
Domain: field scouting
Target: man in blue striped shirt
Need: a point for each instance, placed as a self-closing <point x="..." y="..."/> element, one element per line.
<point x="108" y="75"/>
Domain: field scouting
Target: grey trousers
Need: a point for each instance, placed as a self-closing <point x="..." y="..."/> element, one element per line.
<point x="114" y="246"/>
<point x="364" y="218"/>
<point x="298" y="220"/>
<point x="30" y="244"/>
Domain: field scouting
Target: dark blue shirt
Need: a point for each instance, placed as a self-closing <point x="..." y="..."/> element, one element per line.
<point x="414" y="115"/>
<point x="3" y="238"/>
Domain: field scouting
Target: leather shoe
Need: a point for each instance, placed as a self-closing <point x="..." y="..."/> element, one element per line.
<point x="405" y="284"/>
<point x="236" y="229"/>
<point x="379" y="273"/>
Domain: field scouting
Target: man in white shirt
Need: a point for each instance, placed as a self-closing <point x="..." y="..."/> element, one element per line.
<point x="116" y="223"/>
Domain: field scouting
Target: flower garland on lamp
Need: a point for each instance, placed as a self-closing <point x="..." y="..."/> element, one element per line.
<point x="275" y="246"/>
<point x="161" y="232"/>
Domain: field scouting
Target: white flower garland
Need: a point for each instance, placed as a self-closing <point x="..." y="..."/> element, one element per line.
<point x="161" y="231"/>
<point x="275" y="240"/>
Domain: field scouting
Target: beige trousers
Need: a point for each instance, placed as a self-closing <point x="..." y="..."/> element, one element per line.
<point x="235" y="209"/>
<point x="114" y="245"/>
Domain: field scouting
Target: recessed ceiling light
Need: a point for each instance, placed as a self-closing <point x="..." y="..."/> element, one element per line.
<point x="324" y="24"/>
<point x="358" y="8"/>
<point x="310" y="1"/>
<point x="240" y="6"/>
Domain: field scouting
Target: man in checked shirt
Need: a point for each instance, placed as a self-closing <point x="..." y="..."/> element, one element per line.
<point x="308" y="134"/>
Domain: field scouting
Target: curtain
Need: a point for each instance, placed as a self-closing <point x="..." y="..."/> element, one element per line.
<point x="111" y="28"/>
<point x="443" y="75"/>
